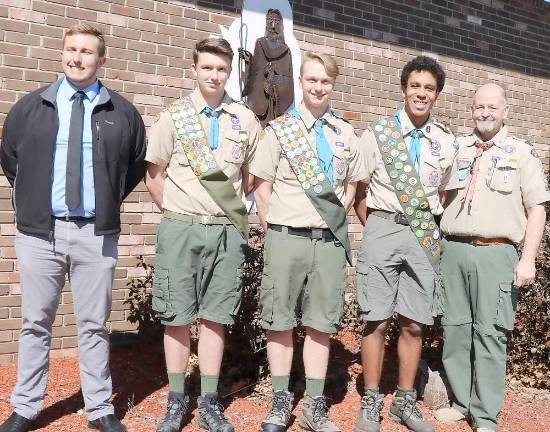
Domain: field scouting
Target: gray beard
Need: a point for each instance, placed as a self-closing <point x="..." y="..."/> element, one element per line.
<point x="485" y="126"/>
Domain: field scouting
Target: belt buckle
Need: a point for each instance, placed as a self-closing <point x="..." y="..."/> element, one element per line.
<point x="317" y="233"/>
<point x="401" y="219"/>
<point x="207" y="220"/>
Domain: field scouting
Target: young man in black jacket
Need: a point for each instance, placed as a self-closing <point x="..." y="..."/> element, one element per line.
<point x="72" y="152"/>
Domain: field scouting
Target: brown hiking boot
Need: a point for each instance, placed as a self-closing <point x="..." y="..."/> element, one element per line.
<point x="314" y="416"/>
<point x="278" y="416"/>
<point x="368" y="419"/>
<point x="404" y="410"/>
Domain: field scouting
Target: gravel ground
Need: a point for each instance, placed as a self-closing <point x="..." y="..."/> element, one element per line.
<point x="141" y="390"/>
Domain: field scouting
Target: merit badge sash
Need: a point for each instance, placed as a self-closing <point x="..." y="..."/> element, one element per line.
<point x="192" y="137"/>
<point x="408" y="187"/>
<point x="312" y="178"/>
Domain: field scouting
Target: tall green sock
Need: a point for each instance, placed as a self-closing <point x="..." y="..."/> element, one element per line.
<point x="280" y="382"/>
<point x="176" y="382"/>
<point x="315" y="386"/>
<point x="209" y="384"/>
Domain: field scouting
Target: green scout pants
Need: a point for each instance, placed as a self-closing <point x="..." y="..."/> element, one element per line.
<point x="197" y="273"/>
<point x="478" y="311"/>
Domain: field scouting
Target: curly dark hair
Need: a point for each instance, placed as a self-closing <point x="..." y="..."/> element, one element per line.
<point x="423" y="63"/>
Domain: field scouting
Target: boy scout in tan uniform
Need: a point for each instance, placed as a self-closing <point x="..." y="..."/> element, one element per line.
<point x="198" y="153"/>
<point x="308" y="157"/>
<point x="409" y="156"/>
<point x="495" y="201"/>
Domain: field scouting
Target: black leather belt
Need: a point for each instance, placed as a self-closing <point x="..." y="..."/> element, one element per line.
<point x="398" y="218"/>
<point x="74" y="218"/>
<point x="313" y="233"/>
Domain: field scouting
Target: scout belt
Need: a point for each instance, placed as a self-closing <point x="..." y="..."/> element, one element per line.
<point x="312" y="178"/>
<point x="192" y="138"/>
<point x="408" y="187"/>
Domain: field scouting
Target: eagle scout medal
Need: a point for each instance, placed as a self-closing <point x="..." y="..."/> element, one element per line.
<point x="406" y="182"/>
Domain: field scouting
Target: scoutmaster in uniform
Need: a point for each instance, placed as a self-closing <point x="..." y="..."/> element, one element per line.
<point x="308" y="163"/>
<point x="202" y="144"/>
<point x="409" y="155"/>
<point x="495" y="201"/>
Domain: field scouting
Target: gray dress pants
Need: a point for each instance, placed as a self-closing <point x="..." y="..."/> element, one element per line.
<point x="90" y="262"/>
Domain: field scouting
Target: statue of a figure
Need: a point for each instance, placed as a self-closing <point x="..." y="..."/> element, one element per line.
<point x="268" y="81"/>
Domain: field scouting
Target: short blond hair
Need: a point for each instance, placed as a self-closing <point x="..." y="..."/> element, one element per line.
<point x="89" y="30"/>
<point x="217" y="46"/>
<point x="326" y="60"/>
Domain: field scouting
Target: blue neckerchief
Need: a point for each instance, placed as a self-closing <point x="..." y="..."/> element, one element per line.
<point x="324" y="151"/>
<point x="414" y="149"/>
<point x="214" y="127"/>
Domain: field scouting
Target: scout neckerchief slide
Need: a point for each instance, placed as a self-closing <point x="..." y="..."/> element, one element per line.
<point x="305" y="164"/>
<point x="408" y="187"/>
<point x="192" y="137"/>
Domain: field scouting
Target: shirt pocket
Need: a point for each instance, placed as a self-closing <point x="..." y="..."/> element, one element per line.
<point x="340" y="163"/>
<point x="233" y="153"/>
<point x="502" y="175"/>
<point x="431" y="172"/>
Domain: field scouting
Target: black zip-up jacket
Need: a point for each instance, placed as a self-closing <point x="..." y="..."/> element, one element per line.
<point x="26" y="155"/>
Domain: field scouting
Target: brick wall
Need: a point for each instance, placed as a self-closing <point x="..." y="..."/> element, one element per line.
<point x="149" y="54"/>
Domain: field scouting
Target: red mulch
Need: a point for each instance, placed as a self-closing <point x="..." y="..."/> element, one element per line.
<point x="140" y="384"/>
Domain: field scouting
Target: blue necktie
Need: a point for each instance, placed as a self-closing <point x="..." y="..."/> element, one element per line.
<point x="414" y="150"/>
<point x="324" y="152"/>
<point x="214" y="127"/>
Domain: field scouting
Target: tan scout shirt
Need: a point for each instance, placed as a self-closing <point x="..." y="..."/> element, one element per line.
<point x="510" y="179"/>
<point x="437" y="152"/>
<point x="183" y="192"/>
<point x="289" y="204"/>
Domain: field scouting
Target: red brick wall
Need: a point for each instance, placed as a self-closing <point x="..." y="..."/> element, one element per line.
<point x="149" y="54"/>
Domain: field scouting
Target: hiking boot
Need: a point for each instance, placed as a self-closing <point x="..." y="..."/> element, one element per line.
<point x="450" y="416"/>
<point x="314" y="415"/>
<point x="281" y="409"/>
<point x="211" y="415"/>
<point x="368" y="419"/>
<point x="404" y="410"/>
<point x="176" y="410"/>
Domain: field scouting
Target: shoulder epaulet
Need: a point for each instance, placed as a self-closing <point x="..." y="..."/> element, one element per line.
<point x="521" y="140"/>
<point x="338" y="116"/>
<point x="442" y="125"/>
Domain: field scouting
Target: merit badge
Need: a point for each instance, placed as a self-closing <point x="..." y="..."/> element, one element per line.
<point x="399" y="186"/>
<point x="401" y="146"/>
<point x="419" y="233"/>
<point x="391" y="124"/>
<point x="382" y="138"/>
<point x="378" y="128"/>
<point x="407" y="168"/>
<point x="337" y="131"/>
<point x="409" y="211"/>
<point x="424" y="225"/>
<point x="436" y="234"/>
<point x="394" y="153"/>
<point x="404" y="198"/>
<point x="398" y="165"/>
<point x="395" y="135"/>
<point x="393" y="174"/>
<point x="403" y="157"/>
<point x="403" y="177"/>
<point x="318" y="189"/>
<point x="415" y="223"/>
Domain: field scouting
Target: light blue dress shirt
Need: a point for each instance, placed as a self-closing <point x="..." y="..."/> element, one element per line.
<point x="64" y="99"/>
